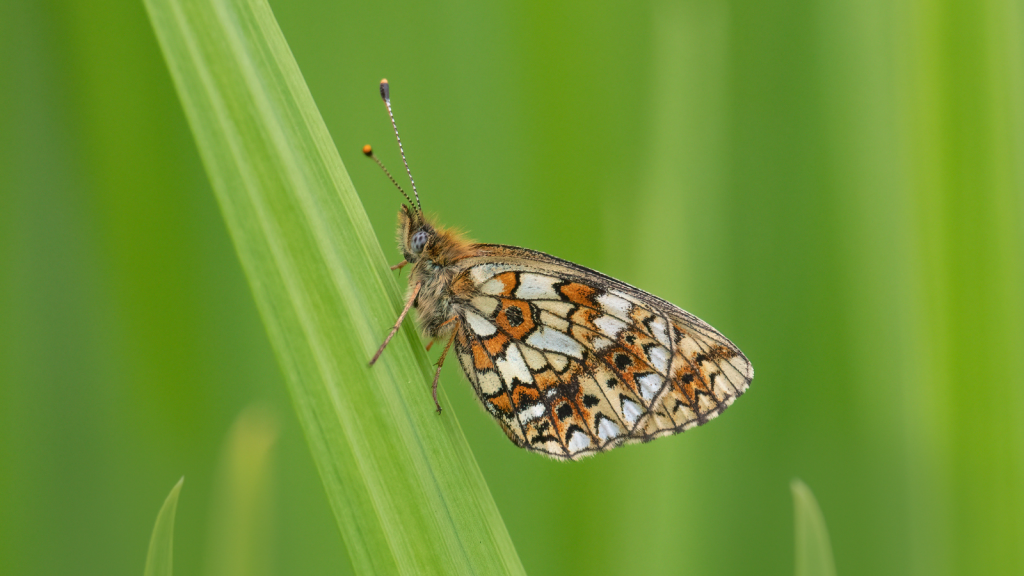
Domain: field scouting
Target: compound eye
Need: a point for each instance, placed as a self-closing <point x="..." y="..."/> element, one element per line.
<point x="419" y="240"/>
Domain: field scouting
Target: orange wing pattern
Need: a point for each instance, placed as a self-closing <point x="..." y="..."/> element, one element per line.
<point x="571" y="362"/>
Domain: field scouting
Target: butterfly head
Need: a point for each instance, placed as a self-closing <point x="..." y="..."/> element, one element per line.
<point x="414" y="234"/>
<point x="421" y="241"/>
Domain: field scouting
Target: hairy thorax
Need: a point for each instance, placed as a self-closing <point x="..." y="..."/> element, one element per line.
<point x="440" y="273"/>
<point x="434" y="302"/>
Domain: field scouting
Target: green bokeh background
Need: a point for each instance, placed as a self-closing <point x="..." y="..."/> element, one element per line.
<point x="836" y="186"/>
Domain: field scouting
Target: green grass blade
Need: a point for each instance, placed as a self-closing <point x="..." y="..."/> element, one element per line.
<point x="159" y="559"/>
<point x="403" y="484"/>
<point x="813" y="549"/>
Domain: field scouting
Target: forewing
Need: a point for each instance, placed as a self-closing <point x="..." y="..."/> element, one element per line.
<point x="572" y="362"/>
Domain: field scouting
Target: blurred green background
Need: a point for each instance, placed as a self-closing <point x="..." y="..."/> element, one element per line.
<point x="836" y="186"/>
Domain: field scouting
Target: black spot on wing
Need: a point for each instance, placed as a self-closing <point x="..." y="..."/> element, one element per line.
<point x="514" y="316"/>
<point x="564" y="412"/>
<point x="543" y="438"/>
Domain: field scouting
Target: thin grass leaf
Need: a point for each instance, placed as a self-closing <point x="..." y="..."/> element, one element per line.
<point x="159" y="559"/>
<point x="813" y="549"/>
<point x="403" y="484"/>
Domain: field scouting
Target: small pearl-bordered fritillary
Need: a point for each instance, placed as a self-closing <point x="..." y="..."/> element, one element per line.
<point x="570" y="362"/>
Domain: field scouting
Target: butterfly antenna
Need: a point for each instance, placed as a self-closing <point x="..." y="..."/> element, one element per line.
<point x="369" y="152"/>
<point x="385" y="93"/>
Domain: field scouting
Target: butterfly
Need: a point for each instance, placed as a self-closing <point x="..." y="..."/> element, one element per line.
<point x="568" y="361"/>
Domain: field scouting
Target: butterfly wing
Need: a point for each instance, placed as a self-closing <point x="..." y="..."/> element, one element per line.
<point x="572" y="362"/>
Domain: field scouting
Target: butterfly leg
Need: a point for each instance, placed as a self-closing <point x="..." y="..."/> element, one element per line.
<point x="400" y="265"/>
<point x="408" y="305"/>
<point x="440" y="363"/>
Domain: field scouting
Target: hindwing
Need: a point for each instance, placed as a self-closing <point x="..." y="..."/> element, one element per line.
<point x="572" y="362"/>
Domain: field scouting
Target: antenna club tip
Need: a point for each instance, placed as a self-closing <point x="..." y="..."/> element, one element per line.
<point x="383" y="80"/>
<point x="385" y="92"/>
<point x="368" y="150"/>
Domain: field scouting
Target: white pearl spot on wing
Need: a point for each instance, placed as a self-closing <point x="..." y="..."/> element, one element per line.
<point x="545" y="338"/>
<point x="513" y="366"/>
<point x="660" y="330"/>
<point x="578" y="441"/>
<point x="614" y="305"/>
<point x="480" y="326"/>
<point x="536" y="287"/>
<point x="650" y="384"/>
<point x="531" y="412"/>
<point x="659" y="359"/>
<point x="609" y="326"/>
<point x="630" y="411"/>
<point x="606" y="430"/>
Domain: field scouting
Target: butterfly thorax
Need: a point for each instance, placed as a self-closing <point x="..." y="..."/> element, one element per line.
<point x="435" y="254"/>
